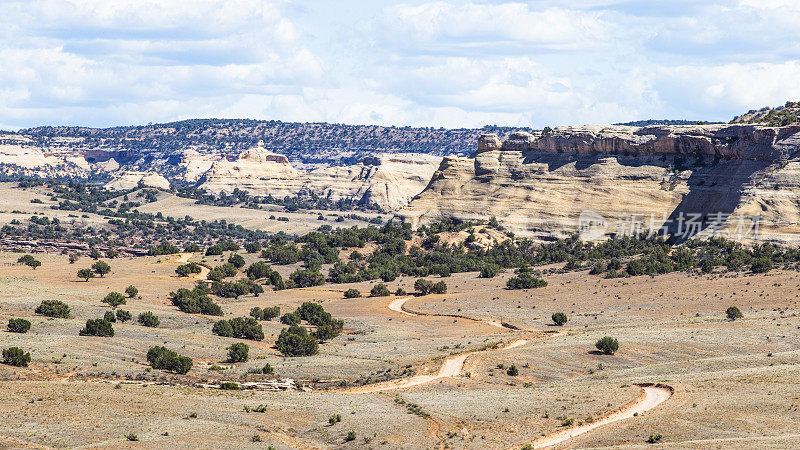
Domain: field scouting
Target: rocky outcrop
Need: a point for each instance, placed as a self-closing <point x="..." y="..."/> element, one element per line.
<point x="386" y="181"/>
<point x="546" y="185"/>
<point x="131" y="180"/>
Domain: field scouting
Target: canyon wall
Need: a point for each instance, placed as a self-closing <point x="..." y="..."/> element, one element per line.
<point x="741" y="181"/>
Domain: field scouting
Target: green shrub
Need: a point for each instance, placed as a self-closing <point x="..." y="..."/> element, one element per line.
<point x="761" y="265"/>
<point x="101" y="268"/>
<point x="162" y="358"/>
<point x="195" y="301"/>
<point x="114" y="299"/>
<point x="654" y="438"/>
<point x="229" y="386"/>
<point x="97" y="327"/>
<point x="512" y="371"/>
<point x="351" y="436"/>
<point x="148" y="319"/>
<point x="525" y="281"/>
<point x="270" y="312"/>
<point x="237" y="260"/>
<point x="29" y="261"/>
<point x="131" y="291"/>
<point x="423" y="286"/>
<point x="267" y="369"/>
<point x="124" y="316"/>
<point x="379" y="290"/>
<point x="238" y="352"/>
<point x="85" y="274"/>
<point x="607" y="345"/>
<point x="15" y="356"/>
<point x="19" y="325"/>
<point x="240" y="328"/>
<point x="53" y="308"/>
<point x="306" y="278"/>
<point x="440" y="287"/>
<point x="184" y="270"/>
<point x="109" y="316"/>
<point x="733" y="313"/>
<point x="489" y="271"/>
<point x="352" y="293"/>
<point x="258" y="270"/>
<point x="559" y="318"/>
<point x="295" y="341"/>
<point x="291" y="318"/>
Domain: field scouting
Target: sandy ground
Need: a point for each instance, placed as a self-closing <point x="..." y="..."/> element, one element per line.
<point x="735" y="383"/>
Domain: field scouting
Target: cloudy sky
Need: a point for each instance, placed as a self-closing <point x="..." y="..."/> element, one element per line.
<point x="421" y="63"/>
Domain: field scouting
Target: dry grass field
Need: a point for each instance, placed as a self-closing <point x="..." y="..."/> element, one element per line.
<point x="735" y="383"/>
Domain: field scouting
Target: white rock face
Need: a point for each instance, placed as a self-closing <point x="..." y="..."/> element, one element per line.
<point x="130" y="180"/>
<point x="388" y="181"/>
<point x="542" y="187"/>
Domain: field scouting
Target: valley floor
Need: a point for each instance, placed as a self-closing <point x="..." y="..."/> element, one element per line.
<point x="734" y="384"/>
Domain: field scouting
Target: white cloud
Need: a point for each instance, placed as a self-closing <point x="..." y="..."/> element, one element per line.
<point x="437" y="63"/>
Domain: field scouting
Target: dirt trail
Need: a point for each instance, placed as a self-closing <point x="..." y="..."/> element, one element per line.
<point x="652" y="396"/>
<point x="397" y="305"/>
<point x="184" y="258"/>
<point x="451" y="367"/>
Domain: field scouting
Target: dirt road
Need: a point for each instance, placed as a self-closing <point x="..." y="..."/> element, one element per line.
<point x="651" y="397"/>
<point x="397" y="305"/>
<point x="451" y="367"/>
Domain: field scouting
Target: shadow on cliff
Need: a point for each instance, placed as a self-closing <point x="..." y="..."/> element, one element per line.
<point x="715" y="192"/>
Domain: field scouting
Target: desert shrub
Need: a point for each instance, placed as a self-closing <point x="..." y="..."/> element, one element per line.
<point x="258" y="270"/>
<point x="124" y="316"/>
<point x="101" y="268"/>
<point x="512" y="371"/>
<point x="761" y="265"/>
<point x="162" y="358"/>
<point x="19" y="325"/>
<point x="352" y="293"/>
<point x="111" y="253"/>
<point x="306" y="278"/>
<point x="423" y="286"/>
<point x="440" y="287"/>
<point x="295" y="341"/>
<point x="238" y="352"/>
<point x="223" y="271"/>
<point x="291" y="318"/>
<point x="184" y="270"/>
<point x="276" y="281"/>
<point x="400" y="291"/>
<point x="525" y="281"/>
<point x="148" y="319"/>
<point x="351" y="436"/>
<point x="131" y="291"/>
<point x="97" y="327"/>
<point x="229" y="386"/>
<point x="379" y="290"/>
<point x="114" y="299"/>
<point x="598" y="268"/>
<point x="489" y="271"/>
<point x="109" y="316"/>
<point x="236" y="260"/>
<point x="239" y="327"/>
<point x="232" y="289"/>
<point x="163" y="249"/>
<point x="15" y="356"/>
<point x="252" y="247"/>
<point x="654" y="438"/>
<point x="559" y="318"/>
<point x="267" y="369"/>
<point x="95" y="254"/>
<point x="607" y="345"/>
<point x="270" y="312"/>
<point x="706" y="265"/>
<point x="255" y="313"/>
<point x="733" y="313"/>
<point x="192" y="248"/>
<point x="53" y="308"/>
<point x="222" y="328"/>
<point x="85" y="274"/>
<point x="195" y="301"/>
<point x="29" y="261"/>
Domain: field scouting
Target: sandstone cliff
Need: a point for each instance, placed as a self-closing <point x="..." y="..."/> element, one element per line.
<point x="386" y="181"/>
<point x="547" y="185"/>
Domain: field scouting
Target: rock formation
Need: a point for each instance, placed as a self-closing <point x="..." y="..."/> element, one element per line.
<point x="130" y="180"/>
<point x="386" y="181"/>
<point x="546" y="185"/>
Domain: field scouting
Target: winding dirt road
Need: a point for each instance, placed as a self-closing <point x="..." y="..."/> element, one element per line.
<point x="397" y="305"/>
<point x="451" y="367"/>
<point x="652" y="396"/>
